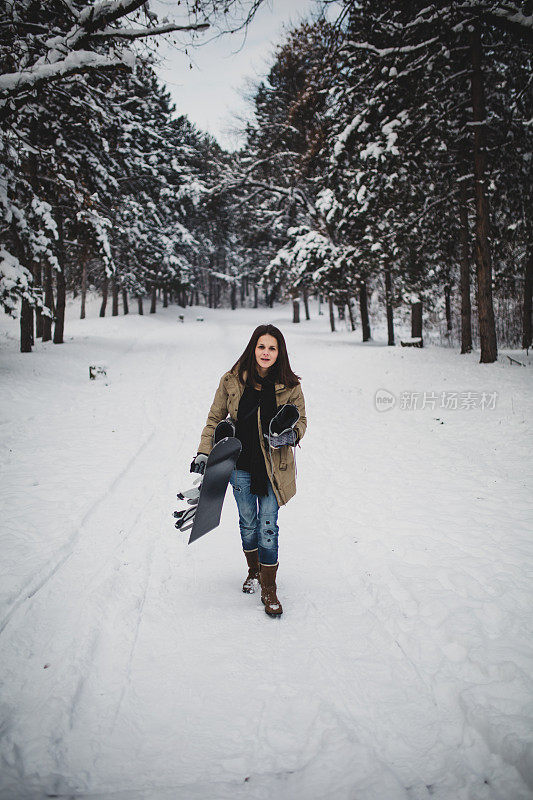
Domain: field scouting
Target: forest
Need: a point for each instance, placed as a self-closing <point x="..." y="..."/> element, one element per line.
<point x="389" y="156"/>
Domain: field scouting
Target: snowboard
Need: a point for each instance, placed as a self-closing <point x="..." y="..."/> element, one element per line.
<point x="206" y="498"/>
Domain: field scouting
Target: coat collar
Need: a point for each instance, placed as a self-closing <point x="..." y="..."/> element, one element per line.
<point x="277" y="386"/>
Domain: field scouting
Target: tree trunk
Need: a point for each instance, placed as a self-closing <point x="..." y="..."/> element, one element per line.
<point x="487" y="330"/>
<point x="32" y="323"/>
<point x="388" y="306"/>
<point x="84" y="282"/>
<point x="363" y="305"/>
<point x="416" y="320"/>
<point x="306" y="302"/>
<point x="527" y="333"/>
<point x="59" y="327"/>
<point x="26" y="311"/>
<point x="38" y="281"/>
<point x="140" y="304"/>
<point x="233" y="296"/>
<point x="256" y="297"/>
<point x="61" y="284"/>
<point x="38" y="322"/>
<point x="125" y="305"/>
<point x="49" y="303"/>
<point x="242" y="289"/>
<point x="296" y="309"/>
<point x="466" y="306"/>
<point x="114" y="295"/>
<point x="350" y="314"/>
<point x="153" y="304"/>
<point x="26" y="326"/>
<point x="104" y="295"/>
<point x="165" y="298"/>
<point x="331" y="314"/>
<point x="29" y="165"/>
<point x="341" y="311"/>
<point x="448" y="308"/>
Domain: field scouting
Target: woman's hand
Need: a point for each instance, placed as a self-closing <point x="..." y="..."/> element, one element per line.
<point x="198" y="463"/>
<point x="288" y="436"/>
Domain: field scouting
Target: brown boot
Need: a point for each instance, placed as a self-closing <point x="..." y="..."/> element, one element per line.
<point x="253" y="571"/>
<point x="267" y="577"/>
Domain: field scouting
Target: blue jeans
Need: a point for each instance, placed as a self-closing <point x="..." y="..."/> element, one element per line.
<point x="258" y="518"/>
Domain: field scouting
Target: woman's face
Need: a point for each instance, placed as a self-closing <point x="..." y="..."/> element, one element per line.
<point x="266" y="353"/>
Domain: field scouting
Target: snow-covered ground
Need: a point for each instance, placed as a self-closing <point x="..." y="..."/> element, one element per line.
<point x="134" y="667"/>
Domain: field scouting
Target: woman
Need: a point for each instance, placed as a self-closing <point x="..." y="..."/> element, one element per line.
<point x="259" y="383"/>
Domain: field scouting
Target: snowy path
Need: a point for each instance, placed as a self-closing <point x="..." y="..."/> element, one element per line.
<point x="133" y="666"/>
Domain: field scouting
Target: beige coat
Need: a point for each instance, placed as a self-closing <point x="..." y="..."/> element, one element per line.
<point x="282" y="472"/>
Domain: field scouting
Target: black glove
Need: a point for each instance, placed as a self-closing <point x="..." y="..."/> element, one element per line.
<point x="198" y="463"/>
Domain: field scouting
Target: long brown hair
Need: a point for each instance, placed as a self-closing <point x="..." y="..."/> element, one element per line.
<point x="281" y="371"/>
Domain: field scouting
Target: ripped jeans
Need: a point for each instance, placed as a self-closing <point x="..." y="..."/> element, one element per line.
<point x="258" y="518"/>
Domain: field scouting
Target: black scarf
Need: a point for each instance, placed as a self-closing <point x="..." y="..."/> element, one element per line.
<point x="268" y="408"/>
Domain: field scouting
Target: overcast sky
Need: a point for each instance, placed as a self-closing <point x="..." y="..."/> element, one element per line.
<point x="209" y="93"/>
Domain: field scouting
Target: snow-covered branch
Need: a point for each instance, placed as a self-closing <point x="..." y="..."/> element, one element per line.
<point x="138" y="33"/>
<point x="390" y="51"/>
<point x="269" y="159"/>
<point x="516" y="17"/>
<point x="513" y="19"/>
<point x="76" y="62"/>
<point x="76" y="43"/>
<point x="96" y="16"/>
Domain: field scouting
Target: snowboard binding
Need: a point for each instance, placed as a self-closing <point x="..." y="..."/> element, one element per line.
<point x="281" y="429"/>
<point x="223" y="430"/>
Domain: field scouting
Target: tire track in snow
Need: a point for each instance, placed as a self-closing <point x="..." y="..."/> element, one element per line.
<point x="104" y="606"/>
<point x="127" y="671"/>
<point x="32" y="588"/>
<point x="160" y="443"/>
<point x="90" y="639"/>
